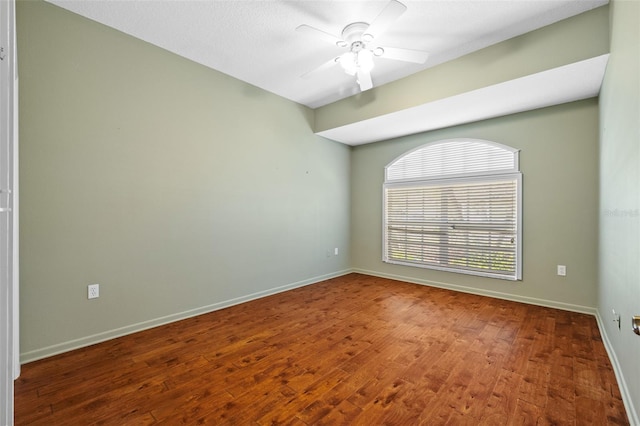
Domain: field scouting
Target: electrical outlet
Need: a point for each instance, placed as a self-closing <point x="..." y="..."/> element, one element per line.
<point x="562" y="270"/>
<point x="616" y="318"/>
<point x="335" y="251"/>
<point x="93" y="291"/>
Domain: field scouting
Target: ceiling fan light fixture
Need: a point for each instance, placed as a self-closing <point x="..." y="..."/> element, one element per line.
<point x="349" y="63"/>
<point x="357" y="38"/>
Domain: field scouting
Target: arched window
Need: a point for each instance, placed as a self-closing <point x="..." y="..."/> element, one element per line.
<point x="455" y="205"/>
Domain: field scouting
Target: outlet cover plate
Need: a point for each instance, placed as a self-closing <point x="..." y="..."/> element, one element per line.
<point x="93" y="291"/>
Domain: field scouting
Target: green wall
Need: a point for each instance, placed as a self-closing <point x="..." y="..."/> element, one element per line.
<point x="177" y="188"/>
<point x="619" y="259"/>
<point x="558" y="160"/>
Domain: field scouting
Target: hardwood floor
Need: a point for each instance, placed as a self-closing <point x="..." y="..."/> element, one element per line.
<point x="352" y="350"/>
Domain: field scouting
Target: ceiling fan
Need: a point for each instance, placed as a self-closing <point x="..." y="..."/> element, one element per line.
<point x="358" y="38"/>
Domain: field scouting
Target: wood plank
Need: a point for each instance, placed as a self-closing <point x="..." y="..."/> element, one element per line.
<point x="502" y="403"/>
<point x="561" y="399"/>
<point x="534" y="387"/>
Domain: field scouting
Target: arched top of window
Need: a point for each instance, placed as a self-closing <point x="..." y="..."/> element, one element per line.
<point x="453" y="158"/>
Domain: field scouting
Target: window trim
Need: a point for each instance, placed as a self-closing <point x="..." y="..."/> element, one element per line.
<point x="496" y="175"/>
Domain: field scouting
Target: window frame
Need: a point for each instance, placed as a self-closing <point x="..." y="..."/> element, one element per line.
<point x="511" y="174"/>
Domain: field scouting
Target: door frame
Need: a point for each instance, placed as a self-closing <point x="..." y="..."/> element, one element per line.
<point x="9" y="275"/>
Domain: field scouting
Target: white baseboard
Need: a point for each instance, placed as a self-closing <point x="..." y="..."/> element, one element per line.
<point x="634" y="420"/>
<point x="480" y="292"/>
<point x="145" y="325"/>
<point x="59" y="348"/>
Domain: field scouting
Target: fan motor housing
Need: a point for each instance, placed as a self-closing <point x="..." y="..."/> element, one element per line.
<point x="353" y="32"/>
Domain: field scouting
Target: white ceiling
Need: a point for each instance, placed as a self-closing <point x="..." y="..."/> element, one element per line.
<point x="255" y="41"/>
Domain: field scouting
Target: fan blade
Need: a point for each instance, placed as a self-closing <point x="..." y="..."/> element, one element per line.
<point x="406" y="55"/>
<point x="364" y="80"/>
<point x="389" y="14"/>
<point x="323" y="67"/>
<point x="321" y="35"/>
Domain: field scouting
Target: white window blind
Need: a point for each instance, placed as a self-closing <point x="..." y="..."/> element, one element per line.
<point x="463" y="218"/>
<point x="453" y="158"/>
